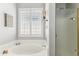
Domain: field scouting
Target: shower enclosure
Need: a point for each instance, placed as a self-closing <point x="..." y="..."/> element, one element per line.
<point x="66" y="29"/>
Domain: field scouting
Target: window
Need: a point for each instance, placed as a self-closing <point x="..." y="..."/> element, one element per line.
<point x="30" y="22"/>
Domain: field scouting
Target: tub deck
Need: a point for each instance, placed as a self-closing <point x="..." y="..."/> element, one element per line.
<point x="25" y="47"/>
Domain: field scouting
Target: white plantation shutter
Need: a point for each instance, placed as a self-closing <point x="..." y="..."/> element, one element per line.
<point x="30" y="22"/>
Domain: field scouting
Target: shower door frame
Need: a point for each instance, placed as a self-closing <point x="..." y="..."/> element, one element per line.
<point x="77" y="50"/>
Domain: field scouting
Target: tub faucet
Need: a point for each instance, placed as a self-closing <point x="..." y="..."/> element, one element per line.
<point x="18" y="43"/>
<point x="5" y="52"/>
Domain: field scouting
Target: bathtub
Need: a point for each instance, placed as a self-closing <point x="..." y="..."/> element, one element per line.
<point x="25" y="47"/>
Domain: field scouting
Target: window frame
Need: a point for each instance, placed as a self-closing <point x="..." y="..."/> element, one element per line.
<point x="31" y="35"/>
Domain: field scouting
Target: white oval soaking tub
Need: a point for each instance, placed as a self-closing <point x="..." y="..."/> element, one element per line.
<point x="27" y="47"/>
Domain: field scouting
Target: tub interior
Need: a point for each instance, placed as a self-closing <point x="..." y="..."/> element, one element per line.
<point x="27" y="49"/>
